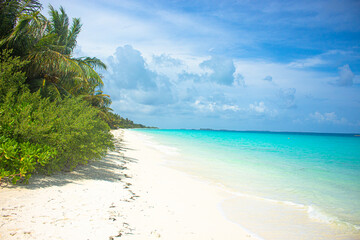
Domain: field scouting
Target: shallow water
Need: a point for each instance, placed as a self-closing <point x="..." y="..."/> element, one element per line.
<point x="318" y="172"/>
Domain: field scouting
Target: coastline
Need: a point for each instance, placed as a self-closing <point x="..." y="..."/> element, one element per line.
<point x="133" y="194"/>
<point x="259" y="217"/>
<point x="172" y="203"/>
<point x="128" y="194"/>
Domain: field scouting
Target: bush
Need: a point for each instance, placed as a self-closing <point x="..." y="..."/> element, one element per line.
<point x="19" y="160"/>
<point x="69" y="126"/>
<point x="11" y="78"/>
<point x="37" y="134"/>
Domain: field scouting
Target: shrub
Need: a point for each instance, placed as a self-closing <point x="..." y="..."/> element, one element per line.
<point x="37" y="134"/>
<point x="11" y="78"/>
<point x="19" y="160"/>
<point x="69" y="126"/>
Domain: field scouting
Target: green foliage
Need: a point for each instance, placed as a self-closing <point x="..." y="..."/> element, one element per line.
<point x="11" y="10"/>
<point x="48" y="46"/>
<point x="115" y="121"/>
<point x="37" y="134"/>
<point x="53" y="114"/>
<point x="11" y="78"/>
<point x="77" y="132"/>
<point x="19" y="160"/>
<point x="69" y="126"/>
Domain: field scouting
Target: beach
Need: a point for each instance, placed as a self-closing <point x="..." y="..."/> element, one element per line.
<point x="134" y="193"/>
<point x="126" y="195"/>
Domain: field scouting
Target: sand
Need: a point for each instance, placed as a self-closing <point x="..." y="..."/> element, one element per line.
<point x="127" y="195"/>
<point x="132" y="193"/>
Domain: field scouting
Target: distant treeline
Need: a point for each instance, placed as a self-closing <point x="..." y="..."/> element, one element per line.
<point x="120" y="122"/>
<point x="53" y="114"/>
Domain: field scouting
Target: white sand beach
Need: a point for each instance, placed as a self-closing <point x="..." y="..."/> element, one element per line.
<point x="133" y="194"/>
<point x="126" y="195"/>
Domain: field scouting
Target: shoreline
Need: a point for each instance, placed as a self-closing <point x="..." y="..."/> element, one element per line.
<point x="172" y="203"/>
<point x="302" y="222"/>
<point x="133" y="194"/>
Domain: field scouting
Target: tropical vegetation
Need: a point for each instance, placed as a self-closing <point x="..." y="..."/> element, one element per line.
<point x="53" y="113"/>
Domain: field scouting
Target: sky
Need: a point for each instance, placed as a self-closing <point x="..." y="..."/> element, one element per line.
<point x="237" y="65"/>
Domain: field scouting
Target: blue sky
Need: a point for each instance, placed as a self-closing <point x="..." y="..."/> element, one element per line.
<point x="242" y="65"/>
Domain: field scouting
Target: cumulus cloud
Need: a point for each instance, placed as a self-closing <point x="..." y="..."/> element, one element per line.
<point x="216" y="105"/>
<point x="127" y="69"/>
<point x="346" y="76"/>
<point x="268" y="78"/>
<point x="205" y="106"/>
<point x="193" y="90"/>
<point x="230" y="107"/>
<point x="287" y="98"/>
<point x="258" y="107"/>
<point x="327" y="117"/>
<point x="134" y="84"/>
<point x="186" y="76"/>
<point x="239" y="80"/>
<point x="130" y="82"/>
<point x="261" y="109"/>
<point x="222" y="70"/>
<point x="166" y="60"/>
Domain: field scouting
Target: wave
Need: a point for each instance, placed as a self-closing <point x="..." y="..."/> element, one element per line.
<point x="313" y="212"/>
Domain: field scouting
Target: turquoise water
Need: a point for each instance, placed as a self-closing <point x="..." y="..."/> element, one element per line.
<point x="321" y="171"/>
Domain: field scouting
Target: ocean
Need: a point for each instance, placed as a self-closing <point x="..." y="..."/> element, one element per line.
<point x="319" y="171"/>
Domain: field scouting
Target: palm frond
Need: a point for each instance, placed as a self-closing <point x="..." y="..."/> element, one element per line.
<point x="72" y="35"/>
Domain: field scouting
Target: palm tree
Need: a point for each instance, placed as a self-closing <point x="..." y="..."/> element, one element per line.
<point x="11" y="10"/>
<point x="70" y="73"/>
<point x="20" y="22"/>
<point x="60" y="26"/>
<point x="99" y="100"/>
<point x="48" y="46"/>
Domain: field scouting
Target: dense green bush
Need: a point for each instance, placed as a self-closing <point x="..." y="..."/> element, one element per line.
<point x="37" y="134"/>
<point x="53" y="114"/>
<point x="70" y="126"/>
<point x="11" y="77"/>
<point x="19" y="160"/>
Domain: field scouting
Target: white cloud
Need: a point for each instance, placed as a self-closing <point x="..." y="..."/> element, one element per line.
<point x="239" y="80"/>
<point x="258" y="107"/>
<point x="328" y="58"/>
<point x="254" y="71"/>
<point x="268" y="78"/>
<point x="127" y="69"/>
<point x="164" y="86"/>
<point x="233" y="108"/>
<point x="166" y="60"/>
<point x="346" y="76"/>
<point x="205" y="106"/>
<point x="222" y="70"/>
<point x="261" y="109"/>
<point x="328" y="117"/>
<point x="308" y="62"/>
<point x="287" y="98"/>
<point x="133" y="86"/>
<point x="210" y="106"/>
